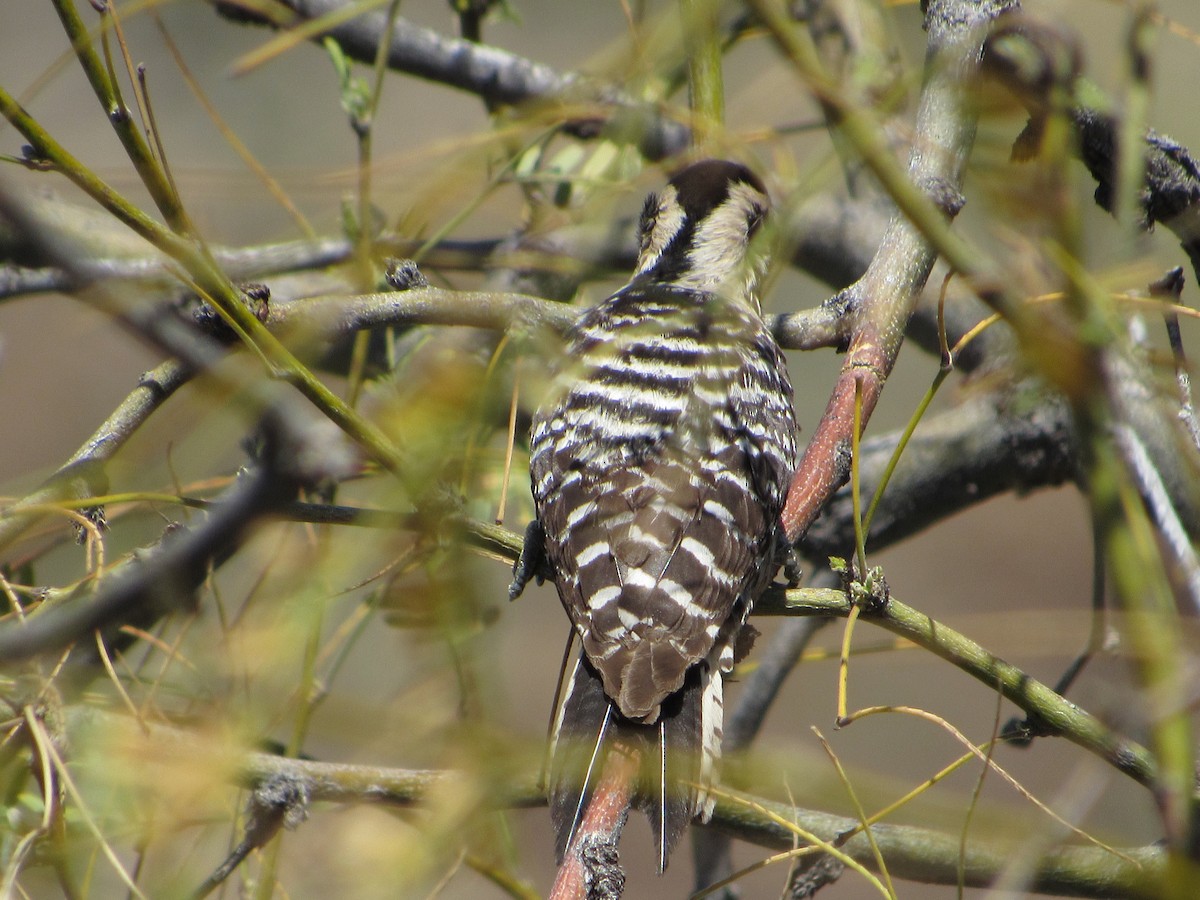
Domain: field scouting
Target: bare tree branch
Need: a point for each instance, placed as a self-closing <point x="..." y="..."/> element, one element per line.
<point x="497" y="76"/>
<point x="921" y="854"/>
<point x="988" y="445"/>
<point x="1068" y="871"/>
<point x="146" y="587"/>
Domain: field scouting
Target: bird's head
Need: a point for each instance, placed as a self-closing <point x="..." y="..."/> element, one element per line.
<point x="696" y="232"/>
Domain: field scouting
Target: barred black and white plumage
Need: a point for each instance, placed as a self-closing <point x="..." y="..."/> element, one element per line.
<point x="660" y="462"/>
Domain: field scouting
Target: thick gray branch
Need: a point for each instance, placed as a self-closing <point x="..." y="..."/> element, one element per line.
<point x="989" y="445"/>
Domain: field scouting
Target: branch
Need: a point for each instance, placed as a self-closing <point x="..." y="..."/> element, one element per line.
<point x="337" y="315"/>
<point x="240" y="263"/>
<point x="83" y="475"/>
<point x="495" y="75"/>
<point x="884" y="298"/>
<point x="590" y="870"/>
<point x="919" y="854"/>
<point x="340" y="314"/>
<point x="1058" y="715"/>
<point x="991" y="444"/>
<point x="147" y="585"/>
<point x="933" y="857"/>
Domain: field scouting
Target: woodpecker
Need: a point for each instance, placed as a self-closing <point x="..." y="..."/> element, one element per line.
<point x="660" y="461"/>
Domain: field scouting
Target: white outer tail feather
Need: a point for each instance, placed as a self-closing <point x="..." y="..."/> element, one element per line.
<point x="712" y="730"/>
<point x="575" y="768"/>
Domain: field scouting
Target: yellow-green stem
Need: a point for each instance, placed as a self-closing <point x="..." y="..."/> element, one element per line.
<point x="1152" y="627"/>
<point x="1131" y="134"/>
<point x="894" y="460"/>
<point x="149" y="171"/>
<point x="860" y="540"/>
<point x="706" y="86"/>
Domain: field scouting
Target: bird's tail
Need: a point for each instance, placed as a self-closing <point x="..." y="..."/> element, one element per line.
<point x="678" y="754"/>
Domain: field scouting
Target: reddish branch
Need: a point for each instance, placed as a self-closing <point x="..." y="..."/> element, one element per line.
<point x="881" y="302"/>
<point x="826" y="460"/>
<point x="586" y="873"/>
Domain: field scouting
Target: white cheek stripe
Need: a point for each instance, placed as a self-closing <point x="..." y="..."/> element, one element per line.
<point x="719" y="246"/>
<point x="667" y="222"/>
